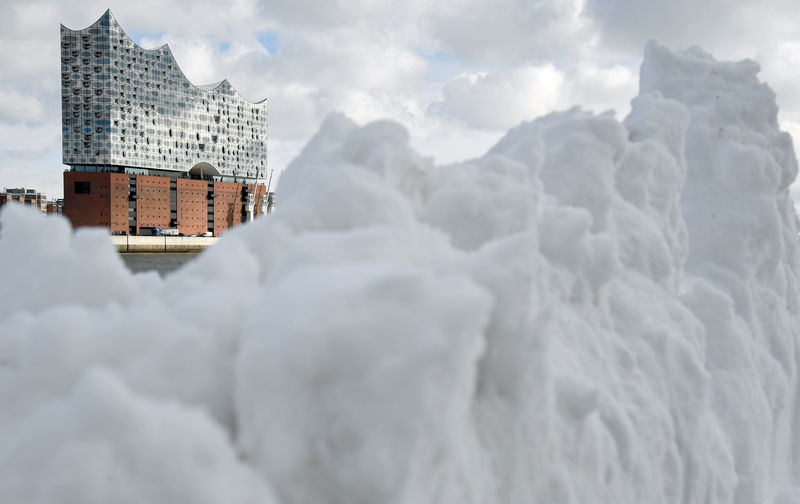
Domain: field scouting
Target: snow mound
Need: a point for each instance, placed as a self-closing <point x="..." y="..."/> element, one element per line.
<point x="594" y="311"/>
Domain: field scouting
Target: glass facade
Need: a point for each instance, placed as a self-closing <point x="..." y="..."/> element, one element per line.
<point x="125" y="107"/>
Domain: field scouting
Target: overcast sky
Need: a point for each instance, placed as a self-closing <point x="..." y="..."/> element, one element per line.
<point x="457" y="73"/>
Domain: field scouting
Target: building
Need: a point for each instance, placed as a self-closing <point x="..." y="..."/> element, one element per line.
<point x="30" y="197"/>
<point x="55" y="207"/>
<point x="146" y="148"/>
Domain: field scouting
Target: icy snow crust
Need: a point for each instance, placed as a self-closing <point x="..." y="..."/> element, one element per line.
<point x="594" y="311"/>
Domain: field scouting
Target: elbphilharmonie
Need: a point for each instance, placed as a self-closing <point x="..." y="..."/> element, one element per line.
<point x="146" y="148"/>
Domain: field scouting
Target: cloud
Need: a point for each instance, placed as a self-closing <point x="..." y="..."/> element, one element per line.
<point x="781" y="68"/>
<point x="599" y="88"/>
<point x="321" y="15"/>
<point x="34" y="169"/>
<point x="629" y="23"/>
<point x="196" y="57"/>
<point x="498" y="101"/>
<point x="729" y="29"/>
<point x="233" y="20"/>
<point x="509" y="31"/>
<point x="18" y="108"/>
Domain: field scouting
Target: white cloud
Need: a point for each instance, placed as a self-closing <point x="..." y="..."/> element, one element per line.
<point x="781" y="68"/>
<point x="600" y="88"/>
<point x="629" y="23"/>
<point x="196" y="57"/>
<point x="728" y="29"/>
<point x="447" y="141"/>
<point x="18" y="108"/>
<point x="793" y="128"/>
<point x="501" y="100"/>
<point x="510" y="31"/>
<point x="34" y="169"/>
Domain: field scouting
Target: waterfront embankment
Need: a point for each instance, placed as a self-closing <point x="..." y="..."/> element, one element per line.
<point x="162" y="263"/>
<point x="162" y="243"/>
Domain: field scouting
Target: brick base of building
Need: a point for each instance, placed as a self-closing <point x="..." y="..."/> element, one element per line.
<point x="145" y="204"/>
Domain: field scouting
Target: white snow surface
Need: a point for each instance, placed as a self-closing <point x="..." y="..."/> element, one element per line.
<point x="594" y="311"/>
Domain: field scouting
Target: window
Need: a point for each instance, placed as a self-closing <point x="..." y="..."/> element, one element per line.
<point x="82" y="187"/>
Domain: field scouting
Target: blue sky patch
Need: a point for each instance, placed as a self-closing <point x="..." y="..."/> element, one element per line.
<point x="270" y="41"/>
<point x="137" y="37"/>
<point x="437" y="56"/>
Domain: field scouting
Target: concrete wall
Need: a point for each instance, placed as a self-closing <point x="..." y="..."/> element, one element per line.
<point x="162" y="243"/>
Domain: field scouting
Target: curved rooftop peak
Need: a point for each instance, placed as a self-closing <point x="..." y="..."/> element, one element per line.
<point x="109" y="18"/>
<point x="106" y="15"/>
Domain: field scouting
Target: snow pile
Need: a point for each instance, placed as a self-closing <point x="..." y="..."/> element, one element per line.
<point x="594" y="311"/>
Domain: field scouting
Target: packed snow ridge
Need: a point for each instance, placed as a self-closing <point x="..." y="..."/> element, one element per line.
<point x="594" y="311"/>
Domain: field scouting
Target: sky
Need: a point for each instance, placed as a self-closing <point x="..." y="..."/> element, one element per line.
<point x="458" y="74"/>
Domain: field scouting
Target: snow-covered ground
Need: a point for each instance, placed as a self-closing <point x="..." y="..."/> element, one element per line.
<point x="594" y="311"/>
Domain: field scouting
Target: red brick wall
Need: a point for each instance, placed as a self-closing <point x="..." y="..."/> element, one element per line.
<point x="107" y="202"/>
<point x="119" y="190"/>
<point x="152" y="207"/>
<point x="227" y="206"/>
<point x="192" y="206"/>
<point x="93" y="209"/>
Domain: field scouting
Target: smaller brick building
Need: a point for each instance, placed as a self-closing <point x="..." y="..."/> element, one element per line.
<point x="31" y="197"/>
